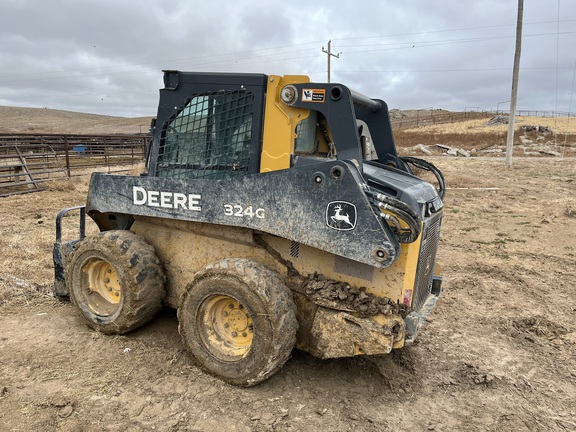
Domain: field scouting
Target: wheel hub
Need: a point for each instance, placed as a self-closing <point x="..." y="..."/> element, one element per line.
<point x="225" y="327"/>
<point x="103" y="291"/>
<point x="237" y="320"/>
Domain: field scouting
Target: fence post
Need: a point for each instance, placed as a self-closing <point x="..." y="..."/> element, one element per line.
<point x="67" y="153"/>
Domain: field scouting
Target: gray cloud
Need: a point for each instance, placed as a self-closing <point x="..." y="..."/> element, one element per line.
<point x="106" y="56"/>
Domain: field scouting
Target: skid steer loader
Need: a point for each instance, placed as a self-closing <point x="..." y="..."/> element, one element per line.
<point x="275" y="213"/>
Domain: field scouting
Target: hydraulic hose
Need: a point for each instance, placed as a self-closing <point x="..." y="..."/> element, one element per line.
<point x="427" y="166"/>
<point x="397" y="211"/>
<point x="392" y="219"/>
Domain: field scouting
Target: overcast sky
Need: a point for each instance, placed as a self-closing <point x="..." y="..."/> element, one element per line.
<point x="106" y="56"/>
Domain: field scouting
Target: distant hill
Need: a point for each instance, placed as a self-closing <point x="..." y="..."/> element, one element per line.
<point x="49" y="121"/>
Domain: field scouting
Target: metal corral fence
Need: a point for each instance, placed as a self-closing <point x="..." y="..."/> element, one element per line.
<point x="536" y="113"/>
<point x="28" y="160"/>
<point x="425" y="117"/>
<point x="411" y="119"/>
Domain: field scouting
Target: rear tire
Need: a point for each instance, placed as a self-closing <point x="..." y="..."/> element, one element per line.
<point x="116" y="281"/>
<point x="238" y="320"/>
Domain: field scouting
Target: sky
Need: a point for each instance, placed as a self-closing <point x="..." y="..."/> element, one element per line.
<point x="107" y="56"/>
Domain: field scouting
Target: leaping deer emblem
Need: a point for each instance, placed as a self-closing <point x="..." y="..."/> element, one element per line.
<point x="339" y="217"/>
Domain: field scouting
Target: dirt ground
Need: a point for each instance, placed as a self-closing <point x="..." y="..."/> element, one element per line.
<point x="499" y="353"/>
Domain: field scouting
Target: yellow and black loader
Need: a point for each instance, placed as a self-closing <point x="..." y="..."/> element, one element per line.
<point x="275" y="213"/>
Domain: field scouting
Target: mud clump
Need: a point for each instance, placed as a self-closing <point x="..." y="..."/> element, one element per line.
<point x="340" y="295"/>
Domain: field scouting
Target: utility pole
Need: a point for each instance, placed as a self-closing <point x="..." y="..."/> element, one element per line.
<point x="513" y="98"/>
<point x="330" y="54"/>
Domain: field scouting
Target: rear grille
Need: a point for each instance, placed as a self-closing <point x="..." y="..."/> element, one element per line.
<point x="426" y="261"/>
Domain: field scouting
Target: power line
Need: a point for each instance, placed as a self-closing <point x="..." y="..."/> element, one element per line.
<point x="452" y="70"/>
<point x="164" y="61"/>
<point x="426" y="44"/>
<point x="248" y="60"/>
<point x="237" y="53"/>
<point x="452" y="30"/>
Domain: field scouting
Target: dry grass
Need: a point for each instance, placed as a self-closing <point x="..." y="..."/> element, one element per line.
<point x="477" y="135"/>
<point x="49" y="121"/>
<point x="27" y="235"/>
<point x="477" y="126"/>
<point x="411" y="137"/>
<point x="138" y="169"/>
<point x="559" y="125"/>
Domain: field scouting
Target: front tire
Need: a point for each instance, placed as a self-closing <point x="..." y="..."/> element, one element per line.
<point x="116" y="281"/>
<point x="238" y="320"/>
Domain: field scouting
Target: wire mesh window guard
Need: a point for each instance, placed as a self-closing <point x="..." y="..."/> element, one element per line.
<point x="305" y="141"/>
<point x="209" y="139"/>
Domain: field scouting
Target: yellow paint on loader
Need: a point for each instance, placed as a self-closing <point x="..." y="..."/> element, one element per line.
<point x="280" y="124"/>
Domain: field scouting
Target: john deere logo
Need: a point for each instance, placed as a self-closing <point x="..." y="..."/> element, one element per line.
<point x="341" y="215"/>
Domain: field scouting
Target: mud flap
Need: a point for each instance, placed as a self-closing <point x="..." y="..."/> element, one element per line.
<point x="415" y="320"/>
<point x="341" y="334"/>
<point x="61" y="250"/>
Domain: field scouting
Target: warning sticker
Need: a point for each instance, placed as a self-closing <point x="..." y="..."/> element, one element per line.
<point x="313" y="95"/>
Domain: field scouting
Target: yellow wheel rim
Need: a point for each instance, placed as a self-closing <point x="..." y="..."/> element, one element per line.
<point x="225" y="327"/>
<point x="103" y="292"/>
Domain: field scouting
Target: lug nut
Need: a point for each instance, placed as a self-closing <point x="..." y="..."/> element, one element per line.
<point x="234" y="334"/>
<point x="226" y="325"/>
<point x="244" y="334"/>
<point x="106" y="280"/>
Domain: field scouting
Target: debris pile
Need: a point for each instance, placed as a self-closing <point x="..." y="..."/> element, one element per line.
<point x="396" y="113"/>
<point x="497" y="120"/>
<point x="540" y="129"/>
<point x="453" y="151"/>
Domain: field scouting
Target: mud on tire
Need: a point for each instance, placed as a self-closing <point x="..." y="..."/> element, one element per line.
<point x="116" y="281"/>
<point x="238" y="320"/>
